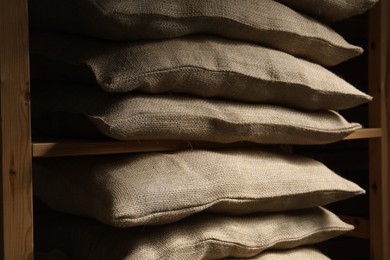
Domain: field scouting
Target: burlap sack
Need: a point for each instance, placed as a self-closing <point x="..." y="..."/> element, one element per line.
<point x="331" y="10"/>
<point x="203" y="236"/>
<point x="202" y="66"/>
<point x="159" y="188"/>
<point x="265" y="22"/>
<point x="86" y="112"/>
<point x="299" y="253"/>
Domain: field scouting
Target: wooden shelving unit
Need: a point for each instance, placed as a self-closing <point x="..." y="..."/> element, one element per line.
<point x="17" y="149"/>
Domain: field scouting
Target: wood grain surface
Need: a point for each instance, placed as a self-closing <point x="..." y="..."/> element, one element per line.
<point x="16" y="183"/>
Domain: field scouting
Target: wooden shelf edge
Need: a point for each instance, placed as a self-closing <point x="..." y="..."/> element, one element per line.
<point x="365" y="133"/>
<point x="83" y="147"/>
<point x="77" y="148"/>
<point x="362" y="227"/>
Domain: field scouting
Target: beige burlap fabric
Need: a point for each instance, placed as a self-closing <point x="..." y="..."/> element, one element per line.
<point x="299" y="253"/>
<point x="331" y="10"/>
<point x="202" y="66"/>
<point x="203" y="236"/>
<point x="159" y="188"/>
<point x="265" y="22"/>
<point x="82" y="111"/>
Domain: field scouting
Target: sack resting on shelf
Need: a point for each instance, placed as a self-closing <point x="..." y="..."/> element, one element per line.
<point x="82" y="111"/>
<point x="203" y="236"/>
<point x="159" y="188"/>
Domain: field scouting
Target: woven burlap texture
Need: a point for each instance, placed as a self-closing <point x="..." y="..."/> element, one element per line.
<point x="203" y="236"/>
<point x="299" y="253"/>
<point x="331" y="10"/>
<point x="159" y="188"/>
<point x="201" y="65"/>
<point x="127" y="116"/>
<point x="265" y="22"/>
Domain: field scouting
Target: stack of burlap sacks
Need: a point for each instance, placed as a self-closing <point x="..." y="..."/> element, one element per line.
<point x="209" y="70"/>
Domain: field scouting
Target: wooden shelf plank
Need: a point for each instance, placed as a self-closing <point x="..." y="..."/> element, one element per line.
<point x="365" y="134"/>
<point x="362" y="227"/>
<point x="77" y="147"/>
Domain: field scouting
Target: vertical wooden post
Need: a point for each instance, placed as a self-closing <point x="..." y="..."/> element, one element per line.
<point x="386" y="129"/>
<point x="15" y="160"/>
<point x="378" y="114"/>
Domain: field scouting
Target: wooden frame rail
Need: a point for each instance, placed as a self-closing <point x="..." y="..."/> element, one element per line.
<point x="16" y="182"/>
<point x="379" y="81"/>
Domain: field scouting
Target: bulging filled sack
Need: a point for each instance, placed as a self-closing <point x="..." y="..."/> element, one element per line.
<point x="81" y="111"/>
<point x="264" y="22"/>
<point x="203" y="66"/>
<point x="159" y="188"/>
<point x="203" y="236"/>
